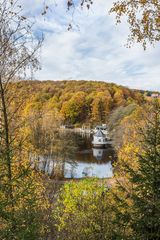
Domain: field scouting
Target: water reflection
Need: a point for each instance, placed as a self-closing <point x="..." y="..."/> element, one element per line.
<point x="72" y="156"/>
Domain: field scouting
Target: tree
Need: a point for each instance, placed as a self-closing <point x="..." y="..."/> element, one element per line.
<point x="75" y="109"/>
<point x="83" y="211"/>
<point x="143" y="17"/>
<point x="138" y="199"/>
<point x="121" y="121"/>
<point x="20" y="191"/>
<point x="101" y="106"/>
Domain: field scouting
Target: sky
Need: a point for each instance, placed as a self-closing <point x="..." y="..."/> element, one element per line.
<point x="95" y="48"/>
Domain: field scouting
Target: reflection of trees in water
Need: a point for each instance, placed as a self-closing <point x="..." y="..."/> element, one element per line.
<point x="62" y="149"/>
<point x="65" y="151"/>
<point x="87" y="171"/>
<point x="64" y="146"/>
<point x="71" y="170"/>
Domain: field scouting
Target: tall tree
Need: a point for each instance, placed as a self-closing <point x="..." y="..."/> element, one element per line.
<point x="18" y="52"/>
<point x="139" y="200"/>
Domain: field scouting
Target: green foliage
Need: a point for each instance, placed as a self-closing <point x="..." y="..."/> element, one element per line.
<point x="83" y="211"/>
<point x="139" y="206"/>
<point x="22" y="217"/>
<point x="146" y="194"/>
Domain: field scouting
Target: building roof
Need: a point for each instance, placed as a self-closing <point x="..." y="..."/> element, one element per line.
<point x="99" y="133"/>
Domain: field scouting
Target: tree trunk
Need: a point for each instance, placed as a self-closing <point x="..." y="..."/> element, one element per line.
<point x="7" y="149"/>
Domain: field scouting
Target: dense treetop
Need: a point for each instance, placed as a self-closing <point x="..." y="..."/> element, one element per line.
<point x="76" y="101"/>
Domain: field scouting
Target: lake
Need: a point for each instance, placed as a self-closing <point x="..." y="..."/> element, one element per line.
<point x="72" y="156"/>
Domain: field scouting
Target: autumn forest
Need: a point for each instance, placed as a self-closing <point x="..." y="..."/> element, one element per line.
<point x="79" y="159"/>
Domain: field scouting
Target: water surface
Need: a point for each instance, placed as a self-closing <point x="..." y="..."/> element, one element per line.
<point x="73" y="156"/>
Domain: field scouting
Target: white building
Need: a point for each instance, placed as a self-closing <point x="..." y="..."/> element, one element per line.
<point x="155" y="95"/>
<point x="102" y="127"/>
<point x="99" y="139"/>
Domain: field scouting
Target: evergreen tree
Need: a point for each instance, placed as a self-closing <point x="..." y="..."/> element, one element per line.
<point x="139" y="211"/>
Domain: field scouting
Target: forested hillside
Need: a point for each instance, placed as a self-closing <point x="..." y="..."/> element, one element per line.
<point x="58" y="183"/>
<point x="74" y="102"/>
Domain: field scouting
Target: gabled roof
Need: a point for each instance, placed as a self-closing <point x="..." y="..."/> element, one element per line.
<point x="99" y="133"/>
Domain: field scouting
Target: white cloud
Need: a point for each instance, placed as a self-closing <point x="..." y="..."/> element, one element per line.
<point x="96" y="52"/>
